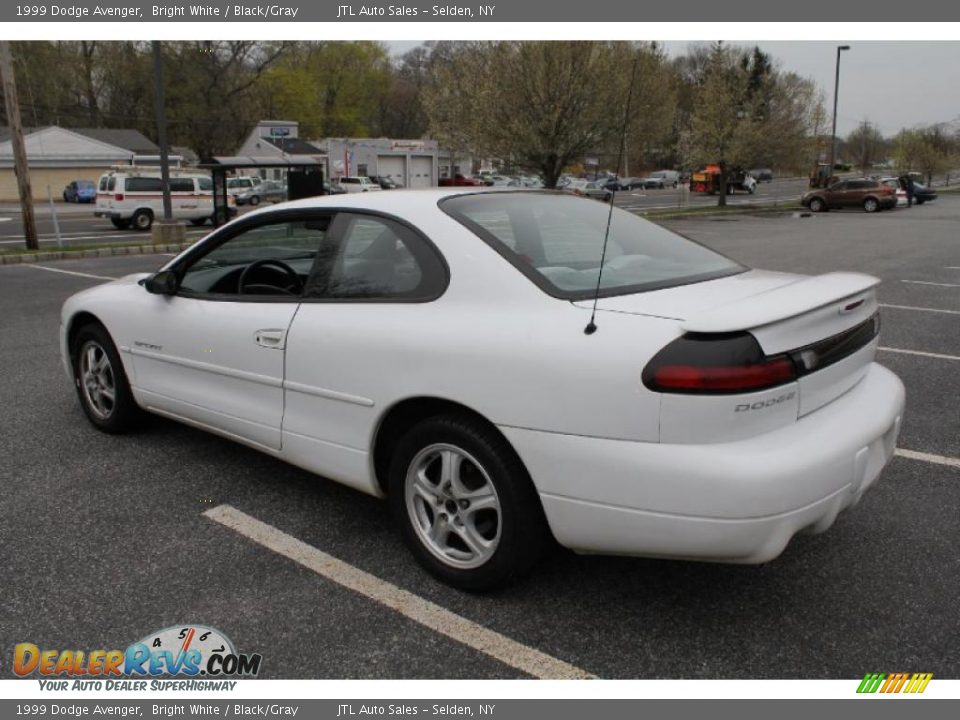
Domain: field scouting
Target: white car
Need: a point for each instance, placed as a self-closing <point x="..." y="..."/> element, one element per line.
<point x="901" y="193"/>
<point x="437" y="347"/>
<point x="244" y="183"/>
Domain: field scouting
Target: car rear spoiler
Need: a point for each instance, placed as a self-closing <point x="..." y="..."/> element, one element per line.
<point x="783" y="302"/>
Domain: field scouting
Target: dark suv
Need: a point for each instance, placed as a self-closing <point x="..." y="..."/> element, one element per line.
<point x="871" y="195"/>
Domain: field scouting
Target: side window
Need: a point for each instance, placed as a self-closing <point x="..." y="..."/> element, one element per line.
<point x="103" y="184"/>
<point x="272" y="259"/>
<point x="374" y="258"/>
<point x="181" y="185"/>
<point x="142" y="184"/>
<point x="205" y="184"/>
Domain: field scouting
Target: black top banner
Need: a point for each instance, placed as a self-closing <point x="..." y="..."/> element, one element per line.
<point x="536" y="11"/>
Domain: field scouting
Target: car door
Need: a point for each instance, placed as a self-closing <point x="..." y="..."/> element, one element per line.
<point x="366" y="317"/>
<point x="835" y="195"/>
<point x="213" y="353"/>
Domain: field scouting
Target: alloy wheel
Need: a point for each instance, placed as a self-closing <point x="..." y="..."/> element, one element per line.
<point x="97" y="380"/>
<point x="453" y="506"/>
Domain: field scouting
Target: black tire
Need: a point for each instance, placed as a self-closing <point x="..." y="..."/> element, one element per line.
<point x="918" y="201"/>
<point x="522" y="534"/>
<point x="199" y="221"/>
<point x="818" y="205"/>
<point x="120" y="224"/>
<point x="122" y="414"/>
<point x="871" y="205"/>
<point x="254" y="200"/>
<point x="142" y="220"/>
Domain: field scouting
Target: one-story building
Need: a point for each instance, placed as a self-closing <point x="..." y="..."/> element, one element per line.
<point x="57" y="156"/>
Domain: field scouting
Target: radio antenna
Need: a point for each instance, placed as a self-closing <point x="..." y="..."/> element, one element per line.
<point x="591" y="327"/>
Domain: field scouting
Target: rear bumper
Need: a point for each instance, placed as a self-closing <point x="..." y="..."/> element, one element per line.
<point x="726" y="502"/>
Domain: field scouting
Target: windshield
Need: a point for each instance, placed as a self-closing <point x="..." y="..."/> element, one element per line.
<point x="556" y="240"/>
<point x="85" y="185"/>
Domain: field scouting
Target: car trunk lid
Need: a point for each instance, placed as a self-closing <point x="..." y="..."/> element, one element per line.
<point x="825" y="323"/>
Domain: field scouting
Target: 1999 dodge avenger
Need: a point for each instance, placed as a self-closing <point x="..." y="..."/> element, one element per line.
<point x="436" y="348"/>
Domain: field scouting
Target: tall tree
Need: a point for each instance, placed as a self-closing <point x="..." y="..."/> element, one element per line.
<point x="541" y="105"/>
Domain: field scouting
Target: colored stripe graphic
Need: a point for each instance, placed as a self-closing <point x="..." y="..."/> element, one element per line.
<point x="894" y="682"/>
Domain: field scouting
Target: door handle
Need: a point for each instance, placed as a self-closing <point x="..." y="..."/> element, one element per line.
<point x="272" y="339"/>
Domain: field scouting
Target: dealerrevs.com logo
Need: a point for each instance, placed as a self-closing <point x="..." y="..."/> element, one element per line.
<point x="911" y="683"/>
<point x="186" y="652"/>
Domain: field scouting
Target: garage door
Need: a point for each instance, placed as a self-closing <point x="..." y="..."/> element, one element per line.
<point x="393" y="167"/>
<point x="421" y="171"/>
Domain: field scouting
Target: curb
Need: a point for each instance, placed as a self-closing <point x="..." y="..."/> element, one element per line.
<point x="151" y="249"/>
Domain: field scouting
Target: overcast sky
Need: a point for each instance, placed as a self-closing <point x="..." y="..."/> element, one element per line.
<point x="891" y="84"/>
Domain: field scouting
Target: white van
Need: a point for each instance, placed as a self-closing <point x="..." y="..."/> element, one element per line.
<point x="132" y="196"/>
<point x="359" y="184"/>
<point x="242" y="183"/>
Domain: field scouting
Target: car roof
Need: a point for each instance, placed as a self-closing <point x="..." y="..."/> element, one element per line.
<point x="403" y="203"/>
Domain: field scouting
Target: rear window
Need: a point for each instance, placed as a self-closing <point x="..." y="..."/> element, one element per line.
<point x="556" y="240"/>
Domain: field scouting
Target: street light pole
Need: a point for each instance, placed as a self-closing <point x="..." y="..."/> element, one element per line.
<point x="836" y="94"/>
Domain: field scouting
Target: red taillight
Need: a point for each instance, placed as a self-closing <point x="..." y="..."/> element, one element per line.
<point x="716" y="364"/>
<point x="118" y="197"/>
<point x="578" y="192"/>
<point x="724" y="379"/>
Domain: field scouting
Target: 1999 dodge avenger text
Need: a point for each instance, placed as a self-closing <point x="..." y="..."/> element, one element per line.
<point x="430" y="347"/>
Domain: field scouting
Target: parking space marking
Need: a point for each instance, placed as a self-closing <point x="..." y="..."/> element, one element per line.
<point x="938" y="356"/>
<point x="927" y="457"/>
<point x="921" y="309"/>
<point x="412" y="607"/>
<point x="65" y="272"/>
<point x="925" y="282"/>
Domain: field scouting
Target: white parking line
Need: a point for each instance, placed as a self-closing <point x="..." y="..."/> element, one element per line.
<point x="65" y="272"/>
<point x="412" y="607"/>
<point x="927" y="457"/>
<point x="921" y="309"/>
<point x="938" y="356"/>
<point x="924" y="282"/>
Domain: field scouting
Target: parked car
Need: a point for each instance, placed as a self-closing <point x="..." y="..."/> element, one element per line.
<point x="762" y="174"/>
<point x="238" y="185"/>
<point x="267" y="191"/>
<point x="871" y="195"/>
<point x="80" y="191"/>
<point x="459" y="180"/>
<point x="586" y="188"/>
<point x="922" y="193"/>
<point x="898" y="188"/>
<point x="709" y="412"/>
<point x="358" y="184"/>
<point x="132" y="197"/>
<point x="333" y="189"/>
<point x="661" y="179"/>
<point x="385" y="183"/>
<point x="616" y="184"/>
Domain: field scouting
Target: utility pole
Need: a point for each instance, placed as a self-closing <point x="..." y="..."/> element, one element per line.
<point x="161" y="113"/>
<point x="836" y="95"/>
<point x="19" y="150"/>
<point x="167" y="231"/>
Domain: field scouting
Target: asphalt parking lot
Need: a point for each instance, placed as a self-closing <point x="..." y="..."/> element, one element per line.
<point x="105" y="538"/>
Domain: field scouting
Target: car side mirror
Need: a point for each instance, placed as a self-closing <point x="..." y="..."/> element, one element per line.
<point x="164" y="282"/>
